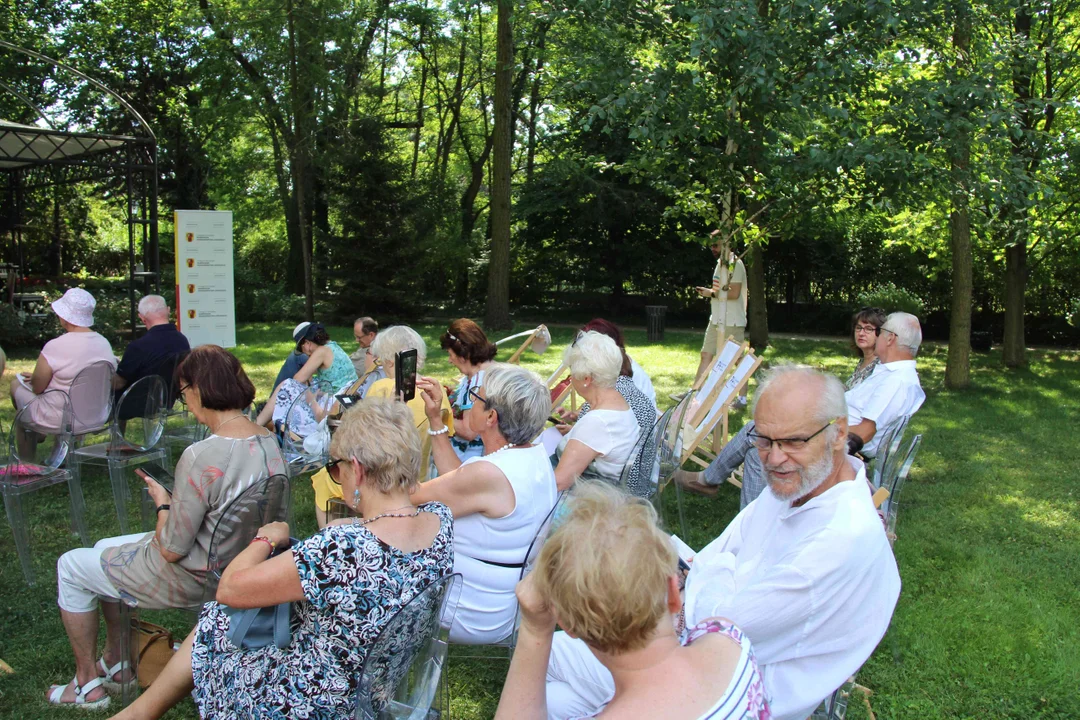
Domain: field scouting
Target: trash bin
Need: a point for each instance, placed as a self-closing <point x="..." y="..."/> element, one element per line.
<point x="654" y="322"/>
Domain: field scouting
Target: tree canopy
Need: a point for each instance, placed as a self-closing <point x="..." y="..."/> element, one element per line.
<point x="399" y="156"/>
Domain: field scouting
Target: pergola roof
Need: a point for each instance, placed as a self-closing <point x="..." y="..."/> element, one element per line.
<point x="24" y="146"/>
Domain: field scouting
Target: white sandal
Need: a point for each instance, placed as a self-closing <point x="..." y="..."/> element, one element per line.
<point x="81" y="691"/>
<point x="111" y="686"/>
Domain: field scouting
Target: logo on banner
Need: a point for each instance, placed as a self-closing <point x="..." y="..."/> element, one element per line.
<point x="191" y="262"/>
<point x="191" y="314"/>
<point x="191" y="288"/>
<point x="190" y="237"/>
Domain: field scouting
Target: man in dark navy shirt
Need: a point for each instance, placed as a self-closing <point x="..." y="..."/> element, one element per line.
<point x="156" y="351"/>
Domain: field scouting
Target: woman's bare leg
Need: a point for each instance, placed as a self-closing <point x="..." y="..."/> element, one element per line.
<point x="267" y="413"/>
<point x="173" y="684"/>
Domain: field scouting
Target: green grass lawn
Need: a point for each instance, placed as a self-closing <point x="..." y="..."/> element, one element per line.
<point x="988" y="548"/>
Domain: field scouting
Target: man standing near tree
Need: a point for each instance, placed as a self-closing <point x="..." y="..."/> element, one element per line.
<point x="728" y="301"/>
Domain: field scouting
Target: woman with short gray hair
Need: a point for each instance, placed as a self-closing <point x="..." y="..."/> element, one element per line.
<point x="499" y="499"/>
<point x="602" y="442"/>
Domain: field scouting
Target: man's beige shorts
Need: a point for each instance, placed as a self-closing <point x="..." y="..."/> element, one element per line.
<point x="712" y="332"/>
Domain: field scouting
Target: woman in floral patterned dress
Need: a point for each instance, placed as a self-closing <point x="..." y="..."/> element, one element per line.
<point x="346" y="581"/>
<point x="609" y="543"/>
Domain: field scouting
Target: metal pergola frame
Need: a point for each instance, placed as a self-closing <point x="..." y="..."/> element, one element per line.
<point x="34" y="158"/>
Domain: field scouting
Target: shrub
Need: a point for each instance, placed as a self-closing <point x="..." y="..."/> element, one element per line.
<point x="891" y="298"/>
<point x="20" y="328"/>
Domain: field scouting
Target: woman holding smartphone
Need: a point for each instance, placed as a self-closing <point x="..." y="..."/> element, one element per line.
<point x="389" y="344"/>
<point x="165" y="568"/>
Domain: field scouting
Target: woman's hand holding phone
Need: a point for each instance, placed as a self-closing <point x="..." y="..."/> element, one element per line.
<point x="158" y="492"/>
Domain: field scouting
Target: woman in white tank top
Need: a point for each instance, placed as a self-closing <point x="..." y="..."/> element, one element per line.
<point x="499" y="499"/>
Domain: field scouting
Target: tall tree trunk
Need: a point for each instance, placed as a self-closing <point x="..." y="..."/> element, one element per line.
<point x="419" y="106"/>
<point x="497" y="316"/>
<point x="757" y="319"/>
<point x="1014" y="352"/>
<point x="293" y="274"/>
<point x="301" y="164"/>
<point x="958" y="362"/>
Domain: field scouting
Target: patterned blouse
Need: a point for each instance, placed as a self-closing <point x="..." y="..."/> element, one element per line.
<point x="353" y="585"/>
<point x="210" y="475"/>
<point x="341" y="372"/>
<point x="460" y="402"/>
<point x="858" y="375"/>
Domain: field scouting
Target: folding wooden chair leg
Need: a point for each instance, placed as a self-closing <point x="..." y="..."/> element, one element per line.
<point x="866" y="693"/>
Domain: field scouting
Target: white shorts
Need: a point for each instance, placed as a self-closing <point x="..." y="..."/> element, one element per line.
<point x="81" y="582"/>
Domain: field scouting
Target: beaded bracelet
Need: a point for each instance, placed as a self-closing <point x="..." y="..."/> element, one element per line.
<point x="268" y="541"/>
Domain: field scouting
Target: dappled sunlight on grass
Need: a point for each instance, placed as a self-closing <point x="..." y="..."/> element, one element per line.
<point x="989" y="535"/>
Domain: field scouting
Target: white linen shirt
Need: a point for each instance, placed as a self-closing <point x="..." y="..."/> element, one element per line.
<point x="892" y="391"/>
<point x="814" y="588"/>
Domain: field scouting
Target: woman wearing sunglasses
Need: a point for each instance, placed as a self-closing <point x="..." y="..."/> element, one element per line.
<point x="499" y="499"/>
<point x="471" y="353"/>
<point x="346" y="581"/>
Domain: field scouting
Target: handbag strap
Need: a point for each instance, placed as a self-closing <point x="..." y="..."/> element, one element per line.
<point x="151" y="634"/>
<point x="282" y="631"/>
<point x="240" y="623"/>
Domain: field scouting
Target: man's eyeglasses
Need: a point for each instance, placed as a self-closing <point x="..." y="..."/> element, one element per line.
<point x="788" y="445"/>
<point x="882" y="329"/>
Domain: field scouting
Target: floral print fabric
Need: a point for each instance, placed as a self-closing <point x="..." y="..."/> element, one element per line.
<point x="353" y="585"/>
<point x="745" y="694"/>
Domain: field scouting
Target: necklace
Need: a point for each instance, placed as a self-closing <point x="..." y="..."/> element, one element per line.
<point x="220" y="424"/>
<point x="388" y="513"/>
<point x="507" y="446"/>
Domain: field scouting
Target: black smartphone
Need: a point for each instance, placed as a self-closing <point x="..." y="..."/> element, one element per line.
<point x="158" y="474"/>
<point x="405" y="375"/>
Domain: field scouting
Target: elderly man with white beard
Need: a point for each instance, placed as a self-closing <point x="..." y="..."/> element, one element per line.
<point x="805" y="570"/>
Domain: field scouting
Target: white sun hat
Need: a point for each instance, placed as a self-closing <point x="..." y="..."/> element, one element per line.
<point x="76" y="306"/>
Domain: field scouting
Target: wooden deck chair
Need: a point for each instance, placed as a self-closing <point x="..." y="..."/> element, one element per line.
<point x="561" y="389"/>
<point x="717" y="397"/>
<point x="538" y="339"/>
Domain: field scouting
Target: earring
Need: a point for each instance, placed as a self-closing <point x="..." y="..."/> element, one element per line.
<point x="356" y="498"/>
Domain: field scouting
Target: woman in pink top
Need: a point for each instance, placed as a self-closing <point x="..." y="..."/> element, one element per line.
<point x="63" y="357"/>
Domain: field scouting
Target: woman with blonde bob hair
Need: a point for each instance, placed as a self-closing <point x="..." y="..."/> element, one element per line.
<point x="346" y="582"/>
<point x="609" y="577"/>
<point x="600" y="443"/>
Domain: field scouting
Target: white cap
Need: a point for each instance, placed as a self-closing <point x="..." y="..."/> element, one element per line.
<point x="298" y="331"/>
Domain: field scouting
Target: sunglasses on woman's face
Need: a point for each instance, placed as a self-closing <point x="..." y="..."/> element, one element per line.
<point x="334" y="471"/>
